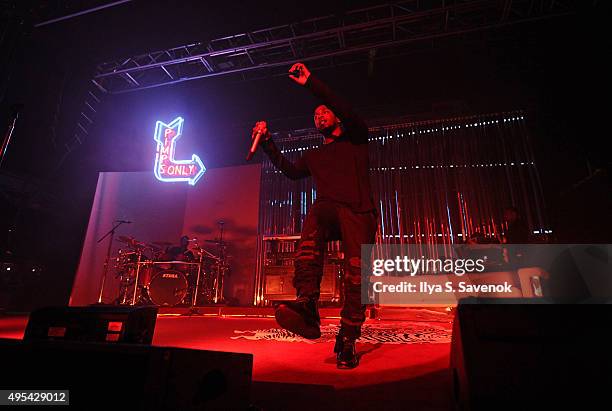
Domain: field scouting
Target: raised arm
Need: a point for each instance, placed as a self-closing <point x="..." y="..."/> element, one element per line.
<point x="294" y="171"/>
<point x="351" y="121"/>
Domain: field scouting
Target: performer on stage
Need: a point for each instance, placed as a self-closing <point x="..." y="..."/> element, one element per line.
<point x="516" y="231"/>
<point x="179" y="252"/>
<point x="344" y="209"/>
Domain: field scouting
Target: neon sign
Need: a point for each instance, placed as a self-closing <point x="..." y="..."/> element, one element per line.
<point x="166" y="167"/>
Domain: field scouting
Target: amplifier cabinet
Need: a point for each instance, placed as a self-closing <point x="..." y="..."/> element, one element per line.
<point x="278" y="284"/>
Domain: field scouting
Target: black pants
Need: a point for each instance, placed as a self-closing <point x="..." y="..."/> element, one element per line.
<point x="331" y="221"/>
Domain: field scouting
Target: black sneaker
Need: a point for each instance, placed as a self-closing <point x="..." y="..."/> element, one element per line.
<point x="300" y="317"/>
<point x="346" y="352"/>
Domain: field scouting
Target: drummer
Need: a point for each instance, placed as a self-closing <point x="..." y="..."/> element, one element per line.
<point x="179" y="252"/>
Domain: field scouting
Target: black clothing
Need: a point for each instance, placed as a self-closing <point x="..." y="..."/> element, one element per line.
<point x="300" y="317"/>
<point x="346" y="352"/>
<point x="340" y="168"/>
<point x="517" y="233"/>
<point x="344" y="208"/>
<point x="178" y="253"/>
<point x="325" y="221"/>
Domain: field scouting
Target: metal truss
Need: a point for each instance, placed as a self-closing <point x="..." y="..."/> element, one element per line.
<point x="92" y="99"/>
<point x="369" y="33"/>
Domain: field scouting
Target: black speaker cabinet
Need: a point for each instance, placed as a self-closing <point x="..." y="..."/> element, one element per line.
<point x="529" y="354"/>
<point x="279" y="283"/>
<point x="103" y="376"/>
<point x="94" y="323"/>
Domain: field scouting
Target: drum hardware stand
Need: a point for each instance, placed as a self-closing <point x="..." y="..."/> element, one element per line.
<point x="221" y="271"/>
<point x="122" y="297"/>
<point x="193" y="310"/>
<point x="221" y="265"/>
<point x="197" y="286"/>
<point x="136" y="278"/>
<point x="108" y="252"/>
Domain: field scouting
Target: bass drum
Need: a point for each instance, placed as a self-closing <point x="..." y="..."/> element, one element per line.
<point x="168" y="288"/>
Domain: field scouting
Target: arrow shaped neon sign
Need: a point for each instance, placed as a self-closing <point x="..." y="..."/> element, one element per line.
<point x="166" y="167"/>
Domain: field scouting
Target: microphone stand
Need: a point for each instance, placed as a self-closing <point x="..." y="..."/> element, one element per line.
<point x="108" y="251"/>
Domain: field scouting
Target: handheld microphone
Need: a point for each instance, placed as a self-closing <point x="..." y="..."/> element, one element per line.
<point x="123" y="221"/>
<point x="254" y="145"/>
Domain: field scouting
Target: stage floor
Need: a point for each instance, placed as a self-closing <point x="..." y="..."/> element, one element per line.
<point x="404" y="362"/>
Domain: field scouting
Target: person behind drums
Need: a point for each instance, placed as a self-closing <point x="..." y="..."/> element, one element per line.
<point x="179" y="252"/>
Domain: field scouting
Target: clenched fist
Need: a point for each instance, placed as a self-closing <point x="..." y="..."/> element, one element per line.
<point x="303" y="73"/>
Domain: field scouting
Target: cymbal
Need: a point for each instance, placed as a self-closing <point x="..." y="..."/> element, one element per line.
<point x="131" y="241"/>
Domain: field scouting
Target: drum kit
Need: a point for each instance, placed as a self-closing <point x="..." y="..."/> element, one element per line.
<point x="147" y="276"/>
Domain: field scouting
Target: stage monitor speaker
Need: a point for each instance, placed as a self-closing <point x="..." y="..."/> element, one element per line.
<point x="529" y="354"/>
<point x="102" y="376"/>
<point x="93" y="324"/>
